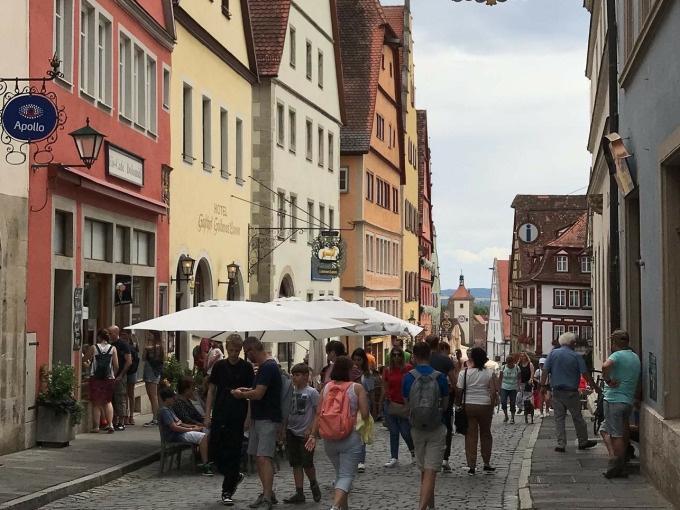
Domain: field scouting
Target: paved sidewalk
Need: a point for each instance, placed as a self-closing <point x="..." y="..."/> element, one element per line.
<point x="31" y="478"/>
<point x="573" y="480"/>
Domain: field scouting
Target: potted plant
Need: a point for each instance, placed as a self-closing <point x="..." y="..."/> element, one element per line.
<point x="58" y="409"/>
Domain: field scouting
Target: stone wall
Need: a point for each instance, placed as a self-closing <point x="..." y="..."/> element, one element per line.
<point x="659" y="447"/>
<point x="13" y="244"/>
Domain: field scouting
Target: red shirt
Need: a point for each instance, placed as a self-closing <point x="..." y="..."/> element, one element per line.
<point x="393" y="379"/>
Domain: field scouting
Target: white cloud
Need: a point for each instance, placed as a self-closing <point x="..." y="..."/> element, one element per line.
<point x="486" y="255"/>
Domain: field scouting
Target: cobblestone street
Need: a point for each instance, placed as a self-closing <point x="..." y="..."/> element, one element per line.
<point x="378" y="488"/>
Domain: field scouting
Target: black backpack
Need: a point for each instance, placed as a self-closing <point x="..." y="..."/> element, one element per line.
<point x="102" y="360"/>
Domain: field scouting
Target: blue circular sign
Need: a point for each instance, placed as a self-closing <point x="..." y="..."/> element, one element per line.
<point x="30" y="117"/>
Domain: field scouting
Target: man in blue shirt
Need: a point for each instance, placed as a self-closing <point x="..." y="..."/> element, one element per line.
<point x="565" y="368"/>
<point x="621" y="373"/>
<point x="429" y="442"/>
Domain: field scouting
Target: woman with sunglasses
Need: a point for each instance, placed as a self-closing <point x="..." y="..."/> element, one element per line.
<point x="396" y="410"/>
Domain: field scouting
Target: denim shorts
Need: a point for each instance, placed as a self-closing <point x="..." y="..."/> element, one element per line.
<point x="615" y="416"/>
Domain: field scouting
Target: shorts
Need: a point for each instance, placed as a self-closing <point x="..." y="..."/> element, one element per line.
<point x="298" y="455"/>
<point x="429" y="447"/>
<point x="131" y="377"/>
<point x="193" y="437"/>
<point x="150" y="376"/>
<point x="616" y="415"/>
<point x="262" y="440"/>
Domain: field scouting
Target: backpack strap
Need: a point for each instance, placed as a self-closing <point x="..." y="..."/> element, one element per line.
<point x="416" y="375"/>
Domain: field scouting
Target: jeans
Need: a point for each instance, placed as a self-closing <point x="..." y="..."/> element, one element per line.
<point x="505" y="395"/>
<point x="448" y="423"/>
<point x="398" y="425"/>
<point x="563" y="401"/>
<point x="344" y="454"/>
<point x="363" y="453"/>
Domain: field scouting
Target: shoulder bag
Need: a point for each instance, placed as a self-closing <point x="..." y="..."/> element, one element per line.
<point x="460" y="420"/>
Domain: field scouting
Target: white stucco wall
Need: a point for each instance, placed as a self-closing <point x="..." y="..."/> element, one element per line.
<point x="547" y="307"/>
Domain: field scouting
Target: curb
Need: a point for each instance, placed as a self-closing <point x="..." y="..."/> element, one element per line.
<point x="525" y="500"/>
<point x="46" y="496"/>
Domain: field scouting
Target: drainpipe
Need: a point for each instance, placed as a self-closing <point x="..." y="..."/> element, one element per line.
<point x="614" y="255"/>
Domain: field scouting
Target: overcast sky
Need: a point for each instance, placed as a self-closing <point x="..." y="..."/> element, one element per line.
<point x="507" y="103"/>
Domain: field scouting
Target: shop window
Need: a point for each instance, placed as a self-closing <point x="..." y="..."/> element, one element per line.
<point x="142" y="248"/>
<point x="121" y="245"/>
<point x="63" y="37"/>
<point x="95" y="240"/>
<point x="62" y="235"/>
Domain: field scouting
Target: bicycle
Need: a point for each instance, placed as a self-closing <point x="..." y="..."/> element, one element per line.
<point x="598" y="415"/>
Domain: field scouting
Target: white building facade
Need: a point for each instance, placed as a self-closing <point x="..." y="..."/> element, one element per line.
<point x="497" y="332"/>
<point x="296" y="154"/>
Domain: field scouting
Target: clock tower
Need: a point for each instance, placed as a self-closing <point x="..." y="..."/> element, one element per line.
<point x="461" y="308"/>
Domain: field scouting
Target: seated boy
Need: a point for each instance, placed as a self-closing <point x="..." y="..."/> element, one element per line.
<point x="298" y="424"/>
<point x="174" y="431"/>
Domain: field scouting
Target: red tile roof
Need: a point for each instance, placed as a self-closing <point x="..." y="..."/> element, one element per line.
<point x="269" y="19"/>
<point x="462" y="293"/>
<point x="574" y="236"/>
<point x="362" y="33"/>
<point x="394" y="14"/>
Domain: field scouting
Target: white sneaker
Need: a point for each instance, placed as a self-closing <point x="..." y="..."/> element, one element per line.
<point x="391" y="463"/>
<point x="361" y="467"/>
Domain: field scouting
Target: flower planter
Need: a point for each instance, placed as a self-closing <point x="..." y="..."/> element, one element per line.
<point x="54" y="428"/>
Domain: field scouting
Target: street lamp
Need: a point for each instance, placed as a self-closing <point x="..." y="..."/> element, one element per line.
<point x="187" y="268"/>
<point x="412" y="318"/>
<point x="232" y="271"/>
<point x="88" y="144"/>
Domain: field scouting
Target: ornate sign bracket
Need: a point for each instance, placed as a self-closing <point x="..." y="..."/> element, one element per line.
<point x="16" y="95"/>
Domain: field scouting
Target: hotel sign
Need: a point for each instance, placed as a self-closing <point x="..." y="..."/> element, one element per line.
<point x="124" y="165"/>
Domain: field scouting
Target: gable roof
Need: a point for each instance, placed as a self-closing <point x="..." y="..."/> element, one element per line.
<point x="363" y="29"/>
<point x="269" y="19"/>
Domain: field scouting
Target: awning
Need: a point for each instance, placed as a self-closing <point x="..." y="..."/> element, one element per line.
<point x="108" y="189"/>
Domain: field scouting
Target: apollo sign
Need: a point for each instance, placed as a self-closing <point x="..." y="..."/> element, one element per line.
<point x="30" y="117"/>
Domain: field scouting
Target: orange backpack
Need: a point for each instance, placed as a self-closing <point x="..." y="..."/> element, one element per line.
<point x="335" y="417"/>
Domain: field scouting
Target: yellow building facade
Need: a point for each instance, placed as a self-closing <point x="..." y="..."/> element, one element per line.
<point x="401" y="21"/>
<point x="210" y="102"/>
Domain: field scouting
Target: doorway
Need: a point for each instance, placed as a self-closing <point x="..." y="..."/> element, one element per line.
<point x="62" y="313"/>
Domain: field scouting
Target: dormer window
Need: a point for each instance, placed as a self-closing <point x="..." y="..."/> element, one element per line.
<point x="562" y="264"/>
<point x="585" y="264"/>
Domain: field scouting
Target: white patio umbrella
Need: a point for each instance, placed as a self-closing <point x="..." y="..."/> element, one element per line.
<point x="218" y="319"/>
<point x="381" y="323"/>
<point x="332" y="307"/>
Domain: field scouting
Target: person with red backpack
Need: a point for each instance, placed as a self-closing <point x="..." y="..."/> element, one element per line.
<point x="335" y="423"/>
<point x="426" y="393"/>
